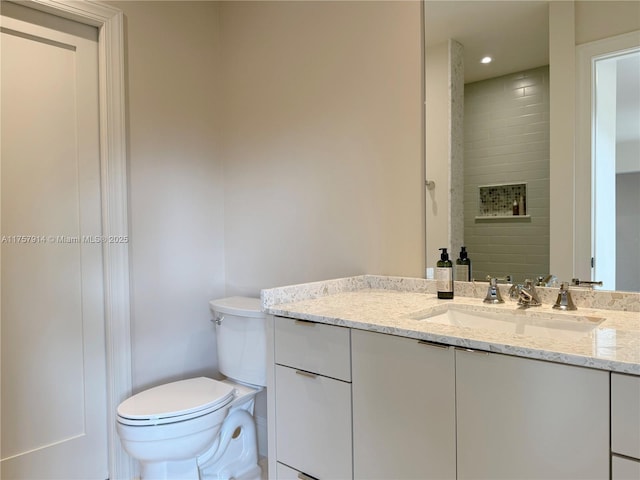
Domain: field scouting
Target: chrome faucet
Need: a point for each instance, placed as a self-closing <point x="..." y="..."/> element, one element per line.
<point x="564" y="300"/>
<point x="527" y="295"/>
<point x="493" y="293"/>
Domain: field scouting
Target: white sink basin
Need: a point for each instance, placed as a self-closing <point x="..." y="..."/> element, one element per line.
<point x="523" y="322"/>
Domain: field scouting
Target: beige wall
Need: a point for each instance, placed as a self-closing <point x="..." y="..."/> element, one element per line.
<point x="571" y="24"/>
<point x="438" y="151"/>
<point x="310" y="169"/>
<point x="175" y="186"/>
<point x="596" y="20"/>
<point x="322" y="141"/>
<point x="562" y="119"/>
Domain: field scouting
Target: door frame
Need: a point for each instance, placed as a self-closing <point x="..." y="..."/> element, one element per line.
<point x="113" y="172"/>
<point x="586" y="54"/>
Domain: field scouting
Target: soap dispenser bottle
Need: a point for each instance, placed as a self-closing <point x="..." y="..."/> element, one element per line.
<point x="463" y="266"/>
<point x="444" y="276"/>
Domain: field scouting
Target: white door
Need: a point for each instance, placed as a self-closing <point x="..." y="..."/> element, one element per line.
<point x="616" y="170"/>
<point x="53" y="397"/>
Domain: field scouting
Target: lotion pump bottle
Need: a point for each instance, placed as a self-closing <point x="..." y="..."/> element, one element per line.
<point x="463" y="267"/>
<point x="444" y="276"/>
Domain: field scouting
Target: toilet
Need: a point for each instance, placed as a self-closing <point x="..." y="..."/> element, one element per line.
<point x="201" y="428"/>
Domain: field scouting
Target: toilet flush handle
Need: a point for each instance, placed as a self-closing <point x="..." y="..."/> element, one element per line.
<point x="219" y="319"/>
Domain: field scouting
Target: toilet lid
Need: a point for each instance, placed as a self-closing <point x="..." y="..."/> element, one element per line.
<point x="175" y="401"/>
<point x="240" y="306"/>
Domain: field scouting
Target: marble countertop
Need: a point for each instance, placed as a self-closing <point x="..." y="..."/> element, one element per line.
<point x="399" y="306"/>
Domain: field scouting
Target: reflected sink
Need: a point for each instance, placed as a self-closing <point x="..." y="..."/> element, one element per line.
<point x="523" y="322"/>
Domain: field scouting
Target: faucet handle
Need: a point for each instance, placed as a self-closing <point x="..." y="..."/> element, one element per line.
<point x="564" y="300"/>
<point x="576" y="282"/>
<point x="505" y="279"/>
<point x="546" y="281"/>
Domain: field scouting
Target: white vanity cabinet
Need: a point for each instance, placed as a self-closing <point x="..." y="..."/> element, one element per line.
<point x="522" y="419"/>
<point x="312" y="400"/>
<point x="403" y="408"/>
<point x="356" y="404"/>
<point x="625" y="426"/>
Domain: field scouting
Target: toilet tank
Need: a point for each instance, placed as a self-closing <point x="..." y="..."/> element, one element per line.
<point x="241" y="339"/>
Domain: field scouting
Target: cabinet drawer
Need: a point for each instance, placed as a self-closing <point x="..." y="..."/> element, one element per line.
<point x="313" y="347"/>
<point x="625" y="414"/>
<point x="510" y="427"/>
<point x="404" y="419"/>
<point x="624" y="469"/>
<point x="313" y="414"/>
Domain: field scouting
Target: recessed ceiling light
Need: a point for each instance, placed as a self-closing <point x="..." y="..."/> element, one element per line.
<point x="486" y="60"/>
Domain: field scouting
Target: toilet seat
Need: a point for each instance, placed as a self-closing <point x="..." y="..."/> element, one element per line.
<point x="175" y="402"/>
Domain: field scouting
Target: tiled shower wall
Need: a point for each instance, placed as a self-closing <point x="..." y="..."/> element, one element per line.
<point x="506" y="140"/>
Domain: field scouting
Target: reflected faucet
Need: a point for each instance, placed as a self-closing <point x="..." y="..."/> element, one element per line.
<point x="527" y="295"/>
<point x="547" y="281"/>
<point x="493" y="293"/>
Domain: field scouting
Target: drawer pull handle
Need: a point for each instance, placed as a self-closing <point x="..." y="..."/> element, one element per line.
<point x="306" y="374"/>
<point x="433" y="344"/>
<point x="304" y="476"/>
<point x="471" y="350"/>
<point x="307" y="323"/>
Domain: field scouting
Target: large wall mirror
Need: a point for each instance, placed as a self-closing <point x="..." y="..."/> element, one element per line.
<point x="494" y="187"/>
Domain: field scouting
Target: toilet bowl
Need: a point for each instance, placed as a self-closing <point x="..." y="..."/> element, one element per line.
<point x="201" y="428"/>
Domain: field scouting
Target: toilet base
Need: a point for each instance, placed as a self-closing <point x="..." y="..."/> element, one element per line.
<point x="165" y="470"/>
<point x="255" y="473"/>
<point x="235" y="453"/>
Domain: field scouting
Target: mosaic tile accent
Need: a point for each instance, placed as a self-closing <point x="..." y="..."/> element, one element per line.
<point x="497" y="200"/>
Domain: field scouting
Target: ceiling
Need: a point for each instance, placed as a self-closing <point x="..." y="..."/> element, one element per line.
<point x="514" y="33"/>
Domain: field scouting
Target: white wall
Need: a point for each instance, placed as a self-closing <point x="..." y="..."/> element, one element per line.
<point x="322" y="141"/>
<point x="176" y="186"/>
